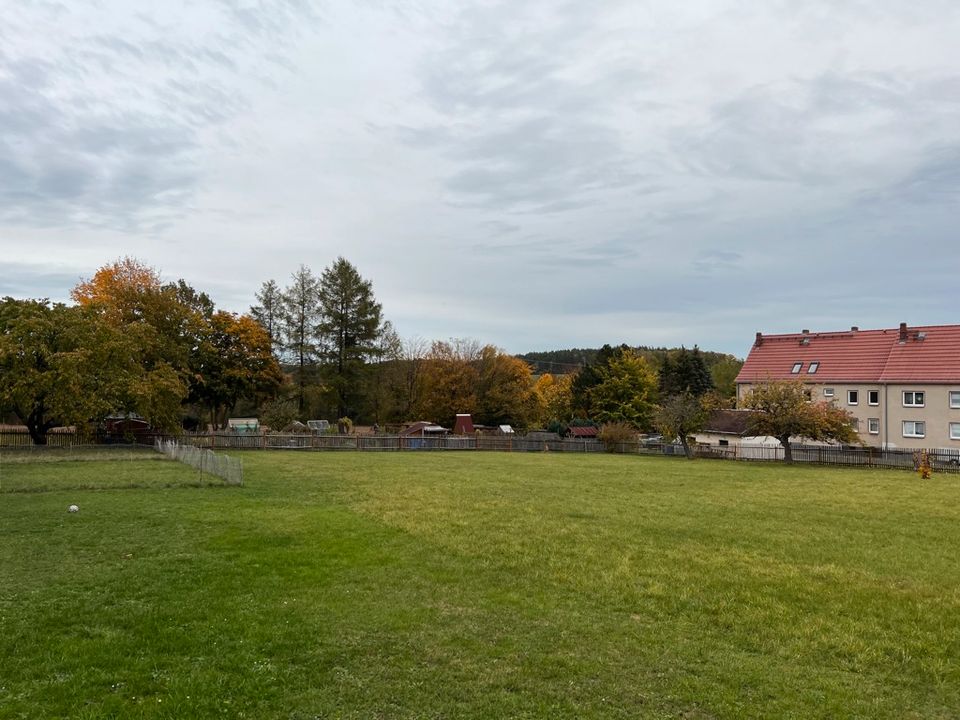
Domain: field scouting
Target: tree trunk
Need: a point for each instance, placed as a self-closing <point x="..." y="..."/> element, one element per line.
<point x="687" y="450"/>
<point x="36" y="425"/>
<point x="38" y="433"/>
<point x="787" y="451"/>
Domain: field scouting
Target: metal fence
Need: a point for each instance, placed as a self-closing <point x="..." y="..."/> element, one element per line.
<point x="228" y="469"/>
<point x="942" y="460"/>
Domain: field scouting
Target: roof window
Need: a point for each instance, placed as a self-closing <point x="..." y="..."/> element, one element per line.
<point x="813" y="367"/>
<point x="796" y="367"/>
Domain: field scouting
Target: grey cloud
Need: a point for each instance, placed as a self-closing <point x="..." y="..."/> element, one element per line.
<point x="23" y="280"/>
<point x="106" y="131"/>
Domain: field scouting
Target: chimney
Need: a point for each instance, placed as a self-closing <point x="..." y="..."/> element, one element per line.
<point x="805" y="331"/>
<point x="903" y="333"/>
<point x="854" y="328"/>
<point x="759" y="340"/>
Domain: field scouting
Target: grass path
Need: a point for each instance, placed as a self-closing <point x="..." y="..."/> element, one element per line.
<point x="478" y="585"/>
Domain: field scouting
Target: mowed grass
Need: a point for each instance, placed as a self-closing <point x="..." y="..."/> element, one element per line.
<point x="478" y="585"/>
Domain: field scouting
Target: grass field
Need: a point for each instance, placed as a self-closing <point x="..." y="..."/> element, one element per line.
<point x="477" y="585"/>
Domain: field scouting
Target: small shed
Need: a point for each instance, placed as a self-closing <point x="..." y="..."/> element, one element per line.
<point x="243" y="425"/>
<point x="724" y="427"/>
<point x="463" y="424"/>
<point x="423" y="428"/>
<point x="582" y="431"/>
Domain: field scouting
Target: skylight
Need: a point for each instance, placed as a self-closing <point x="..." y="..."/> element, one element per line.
<point x="796" y="367"/>
<point x="814" y="366"/>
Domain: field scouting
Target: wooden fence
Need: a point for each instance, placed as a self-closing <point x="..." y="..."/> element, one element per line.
<point x="387" y="443"/>
<point x="941" y="460"/>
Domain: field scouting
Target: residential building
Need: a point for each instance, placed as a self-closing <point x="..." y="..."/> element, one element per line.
<point x="901" y="385"/>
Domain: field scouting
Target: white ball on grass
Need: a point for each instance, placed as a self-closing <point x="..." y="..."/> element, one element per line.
<point x="73" y="508"/>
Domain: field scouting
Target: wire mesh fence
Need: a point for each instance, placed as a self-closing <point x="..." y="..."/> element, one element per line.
<point x="228" y="469"/>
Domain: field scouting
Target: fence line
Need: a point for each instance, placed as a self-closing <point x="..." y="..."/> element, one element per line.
<point x="228" y="469"/>
<point x="945" y="460"/>
<point x="942" y="459"/>
<point x="387" y="443"/>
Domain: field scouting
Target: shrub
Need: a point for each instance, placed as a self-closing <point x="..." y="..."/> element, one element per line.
<point x="614" y="434"/>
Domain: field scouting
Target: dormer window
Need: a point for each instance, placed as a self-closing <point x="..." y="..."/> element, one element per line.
<point x="796" y="368"/>
<point x="814" y="366"/>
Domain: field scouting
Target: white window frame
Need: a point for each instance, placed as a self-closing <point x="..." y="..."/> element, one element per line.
<point x="852" y="394"/>
<point x="955" y="431"/>
<point x="873" y="392"/>
<point x="873" y="423"/>
<point x="797" y="367"/>
<point x="914" y="433"/>
<point x="828" y="392"/>
<point x="954" y="399"/>
<point x="913" y="398"/>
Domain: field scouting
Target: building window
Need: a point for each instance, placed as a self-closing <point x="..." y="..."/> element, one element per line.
<point x="955" y="399"/>
<point x="828" y="392"/>
<point x="873" y="397"/>
<point x="724" y="443"/>
<point x="955" y="431"/>
<point x="913" y="398"/>
<point x="796" y="367"/>
<point x="813" y="367"/>
<point x="853" y="397"/>
<point x="914" y="428"/>
<point x="873" y="426"/>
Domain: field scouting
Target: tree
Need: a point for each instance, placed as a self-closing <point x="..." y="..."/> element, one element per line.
<point x="680" y="416"/>
<point x="724" y="374"/>
<point x="450" y="380"/>
<point x="164" y="318"/>
<point x="381" y="377"/>
<point x="684" y="371"/>
<point x="408" y="380"/>
<point x="300" y="314"/>
<point x="626" y="392"/>
<point x="782" y="410"/>
<point x="234" y="359"/>
<point x="589" y="376"/>
<point x="555" y="399"/>
<point x="505" y="389"/>
<point x="64" y="365"/>
<point x="269" y="312"/>
<point x="348" y="328"/>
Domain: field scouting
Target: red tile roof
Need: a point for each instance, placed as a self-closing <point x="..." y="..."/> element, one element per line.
<point x="930" y="354"/>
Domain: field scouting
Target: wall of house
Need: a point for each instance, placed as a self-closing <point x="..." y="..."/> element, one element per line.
<point x="890" y="413"/>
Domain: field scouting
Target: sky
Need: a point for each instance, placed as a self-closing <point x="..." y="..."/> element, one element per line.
<point x="536" y="175"/>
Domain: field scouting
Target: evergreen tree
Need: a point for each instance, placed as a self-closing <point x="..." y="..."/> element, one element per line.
<point x="300" y="313"/>
<point x="269" y="312"/>
<point x="684" y="372"/>
<point x="348" y="329"/>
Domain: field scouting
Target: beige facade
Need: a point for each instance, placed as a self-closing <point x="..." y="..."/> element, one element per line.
<point x="908" y="416"/>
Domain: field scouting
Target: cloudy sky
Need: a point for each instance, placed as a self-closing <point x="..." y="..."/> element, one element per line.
<point x="532" y="174"/>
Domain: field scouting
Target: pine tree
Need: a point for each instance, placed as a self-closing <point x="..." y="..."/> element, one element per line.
<point x="299" y="319"/>
<point x="684" y="372"/>
<point x="269" y="312"/>
<point x="348" y="328"/>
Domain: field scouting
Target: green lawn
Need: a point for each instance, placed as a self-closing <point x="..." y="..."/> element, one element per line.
<point x="477" y="585"/>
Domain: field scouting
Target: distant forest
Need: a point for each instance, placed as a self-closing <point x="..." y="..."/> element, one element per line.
<point x="561" y="362"/>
